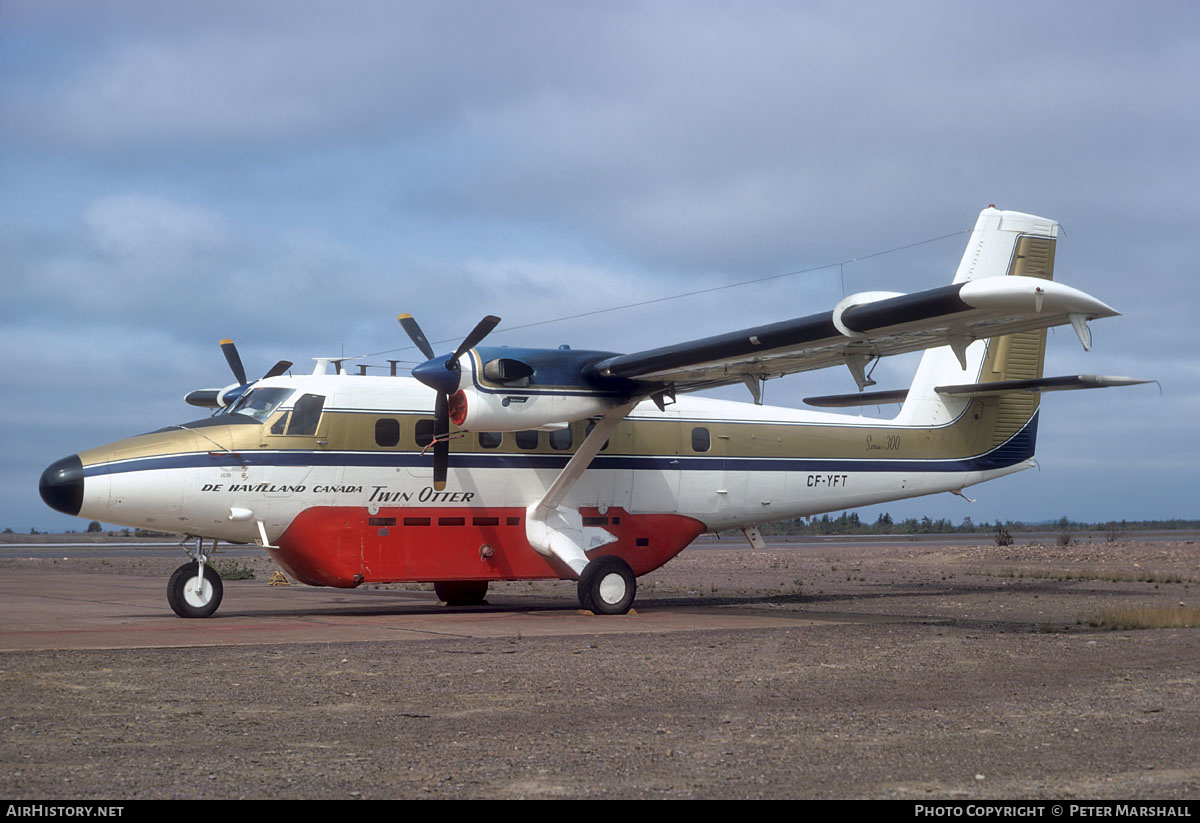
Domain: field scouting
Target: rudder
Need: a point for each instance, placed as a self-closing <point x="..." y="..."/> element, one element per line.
<point x="1003" y="243"/>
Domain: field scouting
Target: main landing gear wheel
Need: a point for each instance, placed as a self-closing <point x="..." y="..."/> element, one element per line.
<point x="607" y="586"/>
<point x="189" y="597"/>
<point x="461" y="592"/>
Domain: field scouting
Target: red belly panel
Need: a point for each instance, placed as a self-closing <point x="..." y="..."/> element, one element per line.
<point x="336" y="546"/>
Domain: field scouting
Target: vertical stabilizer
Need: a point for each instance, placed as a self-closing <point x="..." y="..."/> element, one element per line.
<point x="1003" y="243"/>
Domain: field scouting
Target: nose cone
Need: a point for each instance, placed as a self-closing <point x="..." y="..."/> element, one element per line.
<point x="434" y="374"/>
<point x="62" y="485"/>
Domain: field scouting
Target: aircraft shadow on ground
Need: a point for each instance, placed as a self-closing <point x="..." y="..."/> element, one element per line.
<point x="408" y="603"/>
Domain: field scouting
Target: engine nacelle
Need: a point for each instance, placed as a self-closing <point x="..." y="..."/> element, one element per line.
<point x="474" y="410"/>
<point x="216" y="398"/>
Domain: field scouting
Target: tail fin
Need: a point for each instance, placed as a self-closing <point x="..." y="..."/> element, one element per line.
<point x="1003" y="243"/>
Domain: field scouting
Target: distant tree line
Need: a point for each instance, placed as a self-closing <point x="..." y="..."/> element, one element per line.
<point x="95" y="528"/>
<point x="851" y="523"/>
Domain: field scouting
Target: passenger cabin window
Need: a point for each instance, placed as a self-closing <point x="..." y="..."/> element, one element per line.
<point x="591" y="425"/>
<point x="561" y="439"/>
<point x="424" y="433"/>
<point x="306" y="413"/>
<point x="490" y="440"/>
<point x="527" y="439"/>
<point x="387" y="432"/>
<point x="700" y="439"/>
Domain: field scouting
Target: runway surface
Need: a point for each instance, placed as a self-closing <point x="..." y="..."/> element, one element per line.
<point x="909" y="671"/>
<point x="63" y="610"/>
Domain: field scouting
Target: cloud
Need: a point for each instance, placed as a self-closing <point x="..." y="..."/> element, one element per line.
<point x="293" y="174"/>
<point x="154" y="230"/>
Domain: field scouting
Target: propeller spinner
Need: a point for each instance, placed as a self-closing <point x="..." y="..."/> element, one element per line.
<point x="443" y="375"/>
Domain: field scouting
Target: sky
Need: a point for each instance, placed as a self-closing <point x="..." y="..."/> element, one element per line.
<point x="294" y="174"/>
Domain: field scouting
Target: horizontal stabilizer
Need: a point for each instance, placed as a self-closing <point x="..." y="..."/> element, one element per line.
<point x="870" y="398"/>
<point x="1043" y="384"/>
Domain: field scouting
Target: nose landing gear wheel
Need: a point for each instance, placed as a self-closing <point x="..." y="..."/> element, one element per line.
<point x="607" y="586"/>
<point x="190" y="597"/>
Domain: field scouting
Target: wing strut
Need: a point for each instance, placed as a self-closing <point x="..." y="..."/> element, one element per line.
<point x="555" y="530"/>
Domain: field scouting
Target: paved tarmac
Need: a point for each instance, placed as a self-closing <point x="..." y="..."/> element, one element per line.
<point x="905" y="671"/>
<point x="64" y="610"/>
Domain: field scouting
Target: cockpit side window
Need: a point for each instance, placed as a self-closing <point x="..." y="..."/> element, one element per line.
<point x="260" y="403"/>
<point x="306" y="413"/>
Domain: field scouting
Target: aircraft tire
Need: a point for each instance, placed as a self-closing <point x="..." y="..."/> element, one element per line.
<point x="185" y="600"/>
<point x="607" y="586"/>
<point x="461" y="592"/>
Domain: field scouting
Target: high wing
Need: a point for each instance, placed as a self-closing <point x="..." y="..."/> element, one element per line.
<point x="1003" y="288"/>
<point x="861" y="328"/>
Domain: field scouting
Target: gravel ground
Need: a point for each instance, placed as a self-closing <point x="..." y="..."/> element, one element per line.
<point x="926" y="672"/>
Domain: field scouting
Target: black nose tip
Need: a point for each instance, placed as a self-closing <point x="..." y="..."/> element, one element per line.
<point x="62" y="485"/>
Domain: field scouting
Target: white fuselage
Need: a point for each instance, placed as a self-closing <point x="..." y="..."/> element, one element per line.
<point x="208" y="484"/>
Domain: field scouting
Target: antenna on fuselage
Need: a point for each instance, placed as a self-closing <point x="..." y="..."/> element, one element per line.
<point x="322" y="366"/>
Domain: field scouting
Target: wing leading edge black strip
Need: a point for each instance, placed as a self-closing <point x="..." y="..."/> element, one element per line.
<point x="908" y="308"/>
<point x="786" y="333"/>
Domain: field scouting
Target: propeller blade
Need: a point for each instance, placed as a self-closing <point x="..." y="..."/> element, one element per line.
<point x="433" y="375"/>
<point x="441" y="445"/>
<point x="482" y="329"/>
<point x="234" y="360"/>
<point x="416" y="335"/>
<point x="278" y="369"/>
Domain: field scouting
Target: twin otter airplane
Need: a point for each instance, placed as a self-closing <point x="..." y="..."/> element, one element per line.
<point x="588" y="465"/>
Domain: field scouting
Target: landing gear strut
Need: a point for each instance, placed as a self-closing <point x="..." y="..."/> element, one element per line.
<point x="195" y="589"/>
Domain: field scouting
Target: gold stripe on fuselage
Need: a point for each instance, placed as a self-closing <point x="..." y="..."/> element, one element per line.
<point x="971" y="434"/>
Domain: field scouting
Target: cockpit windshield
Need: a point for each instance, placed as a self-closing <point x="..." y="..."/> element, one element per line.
<point x="259" y="403"/>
